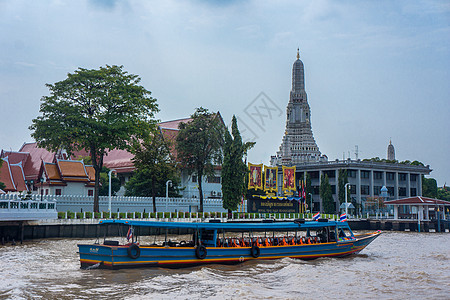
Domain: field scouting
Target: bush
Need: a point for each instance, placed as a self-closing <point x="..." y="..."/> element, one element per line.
<point x="193" y="215"/>
<point x="224" y="215"/>
<point x="130" y="215"/>
<point x="105" y="215"/>
<point x="146" y="215"/>
<point x="206" y="215"/>
<point x="61" y="215"/>
<point x="137" y="215"/>
<point x="97" y="215"/>
<point x="235" y="215"/>
<point x="70" y="215"/>
<point x="213" y="214"/>
<point x="180" y="214"/>
<point x="246" y="215"/>
<point x="114" y="215"/>
<point x="167" y="215"/>
<point x="159" y="215"/>
<point x="79" y="215"/>
<point x="122" y="215"/>
<point x="153" y="215"/>
<point x="187" y="214"/>
<point x="173" y="214"/>
<point x="88" y="215"/>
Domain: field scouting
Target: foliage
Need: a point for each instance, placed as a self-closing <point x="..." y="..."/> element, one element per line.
<point x="88" y="215"/>
<point x="326" y="195"/>
<point x="234" y="170"/>
<point x="444" y="193"/>
<point x="199" y="145"/>
<point x="155" y="166"/>
<point x="104" y="181"/>
<point x="97" y="215"/>
<point x="429" y="187"/>
<point x="96" y="111"/>
<point x="374" y="203"/>
<point x="61" y="215"/>
<point x="342" y="180"/>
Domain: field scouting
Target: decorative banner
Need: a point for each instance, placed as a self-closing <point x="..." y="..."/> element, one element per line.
<point x="270" y="178"/>
<point x="255" y="176"/>
<point x="288" y="178"/>
<point x="272" y="205"/>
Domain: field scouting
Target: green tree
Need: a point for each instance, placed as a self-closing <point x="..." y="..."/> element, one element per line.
<point x="155" y="166"/>
<point x="326" y="195"/>
<point x="429" y="187"/>
<point x="95" y="110"/>
<point x="342" y="180"/>
<point x="234" y="170"/>
<point x="444" y="193"/>
<point x="104" y="180"/>
<point x="199" y="145"/>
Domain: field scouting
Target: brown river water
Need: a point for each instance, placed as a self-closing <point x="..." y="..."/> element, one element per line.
<point x="397" y="265"/>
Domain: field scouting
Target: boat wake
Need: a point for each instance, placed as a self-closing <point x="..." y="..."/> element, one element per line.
<point x="94" y="266"/>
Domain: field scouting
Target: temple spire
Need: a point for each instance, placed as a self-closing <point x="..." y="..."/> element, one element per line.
<point x="298" y="53"/>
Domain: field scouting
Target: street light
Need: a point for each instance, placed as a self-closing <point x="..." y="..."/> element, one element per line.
<point x="346" y="206"/>
<point x="311" y="202"/>
<point x="167" y="191"/>
<point x="109" y="190"/>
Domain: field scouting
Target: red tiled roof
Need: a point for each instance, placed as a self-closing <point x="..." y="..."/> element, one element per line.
<point x="6" y="177"/>
<point x="18" y="177"/>
<point x="72" y="170"/>
<point x="417" y="201"/>
<point x="37" y="155"/>
<point x="174" y="124"/>
<point x="51" y="170"/>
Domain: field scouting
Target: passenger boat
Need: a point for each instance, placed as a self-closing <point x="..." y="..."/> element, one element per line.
<point x="222" y="243"/>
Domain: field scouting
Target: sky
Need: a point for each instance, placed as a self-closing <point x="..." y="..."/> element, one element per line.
<point x="375" y="71"/>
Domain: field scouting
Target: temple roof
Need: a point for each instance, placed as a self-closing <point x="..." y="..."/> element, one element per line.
<point x="417" y="201"/>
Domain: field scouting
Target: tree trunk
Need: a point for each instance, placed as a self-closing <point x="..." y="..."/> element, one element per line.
<point x="200" y="190"/>
<point x="154" y="195"/>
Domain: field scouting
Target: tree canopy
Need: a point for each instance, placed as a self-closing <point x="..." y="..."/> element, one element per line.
<point x="234" y="169"/>
<point x="95" y="110"/>
<point x="155" y="166"/>
<point x="326" y="195"/>
<point x="199" y="145"/>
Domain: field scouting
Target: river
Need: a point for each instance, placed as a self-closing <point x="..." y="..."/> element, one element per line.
<point x="397" y="265"/>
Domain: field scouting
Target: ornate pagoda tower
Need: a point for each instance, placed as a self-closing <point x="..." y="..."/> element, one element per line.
<point x="298" y="144"/>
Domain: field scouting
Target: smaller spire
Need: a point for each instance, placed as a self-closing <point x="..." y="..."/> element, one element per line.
<point x="298" y="53"/>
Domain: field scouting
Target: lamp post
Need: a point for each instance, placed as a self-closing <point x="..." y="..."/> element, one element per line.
<point x="346" y="205"/>
<point x="109" y="191"/>
<point x="42" y="188"/>
<point x="311" y="202"/>
<point x="167" y="192"/>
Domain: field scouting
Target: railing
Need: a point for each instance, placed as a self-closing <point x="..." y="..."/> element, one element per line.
<point x="17" y="209"/>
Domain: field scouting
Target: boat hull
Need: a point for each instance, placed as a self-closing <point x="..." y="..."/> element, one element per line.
<point x="117" y="257"/>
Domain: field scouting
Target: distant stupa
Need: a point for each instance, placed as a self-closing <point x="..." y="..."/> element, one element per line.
<point x="390" y="151"/>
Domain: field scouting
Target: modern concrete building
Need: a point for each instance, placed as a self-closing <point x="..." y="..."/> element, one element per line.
<point x="366" y="178"/>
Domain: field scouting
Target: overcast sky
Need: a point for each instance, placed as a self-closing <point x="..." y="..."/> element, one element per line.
<point x="374" y="70"/>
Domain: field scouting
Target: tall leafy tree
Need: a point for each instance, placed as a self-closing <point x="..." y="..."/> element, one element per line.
<point x="326" y="195"/>
<point x="342" y="180"/>
<point x="429" y="187"/>
<point x="96" y="110"/>
<point x="155" y="166"/>
<point x="199" y="145"/>
<point x="234" y="170"/>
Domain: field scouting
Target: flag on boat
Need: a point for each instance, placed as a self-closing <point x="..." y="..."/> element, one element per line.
<point x="343" y="218"/>
<point x="316" y="216"/>
<point x="130" y="234"/>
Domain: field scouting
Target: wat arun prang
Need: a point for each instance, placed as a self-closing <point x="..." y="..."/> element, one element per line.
<point x="298" y="144"/>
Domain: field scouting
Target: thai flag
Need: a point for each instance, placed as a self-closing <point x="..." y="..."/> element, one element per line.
<point x="130" y="234"/>
<point x="343" y="218"/>
<point x="316" y="216"/>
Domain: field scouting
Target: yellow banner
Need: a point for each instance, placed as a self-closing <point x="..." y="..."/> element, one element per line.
<point x="255" y="176"/>
<point x="288" y="178"/>
<point x="270" y="179"/>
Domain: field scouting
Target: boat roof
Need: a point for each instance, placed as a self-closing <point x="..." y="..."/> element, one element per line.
<point x="228" y="225"/>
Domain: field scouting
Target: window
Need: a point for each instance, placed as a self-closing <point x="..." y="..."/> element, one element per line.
<point x="352" y="189"/>
<point x="46" y="191"/>
<point x="365" y="174"/>
<point x="390" y="176"/>
<point x="402" y="191"/>
<point x="378" y="175"/>
<point x="365" y="189"/>
<point x="194" y="178"/>
<point x="413" y="192"/>
<point x="413" y="177"/>
<point x="333" y="189"/>
<point x="90" y="192"/>
<point x="58" y="192"/>
<point x="390" y="190"/>
<point x="401" y="177"/>
<point x="315" y="190"/>
<point x="213" y="179"/>
<point x="351" y="173"/>
<point x="377" y="190"/>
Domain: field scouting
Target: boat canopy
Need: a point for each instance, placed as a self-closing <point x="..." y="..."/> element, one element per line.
<point x="229" y="226"/>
